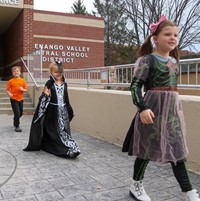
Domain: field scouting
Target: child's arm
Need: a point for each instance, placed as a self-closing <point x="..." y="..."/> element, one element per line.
<point x="9" y="93"/>
<point x="47" y="91"/>
<point x="47" y="87"/>
<point x="22" y="89"/>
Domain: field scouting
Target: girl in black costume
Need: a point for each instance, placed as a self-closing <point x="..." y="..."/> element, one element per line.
<point x="50" y="128"/>
<point x="157" y="132"/>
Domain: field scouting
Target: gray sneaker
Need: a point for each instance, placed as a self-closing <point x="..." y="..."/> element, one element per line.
<point x="18" y="129"/>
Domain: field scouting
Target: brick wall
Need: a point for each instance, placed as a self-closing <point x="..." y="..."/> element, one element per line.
<point x="80" y="34"/>
<point x="28" y="2"/>
<point x="19" y="38"/>
<point x="81" y="38"/>
<point x="27" y="30"/>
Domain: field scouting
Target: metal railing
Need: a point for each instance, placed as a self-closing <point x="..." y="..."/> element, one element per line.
<point x="118" y="76"/>
<point x="29" y="73"/>
<point x="121" y="75"/>
<point x="34" y="67"/>
<point x="189" y="73"/>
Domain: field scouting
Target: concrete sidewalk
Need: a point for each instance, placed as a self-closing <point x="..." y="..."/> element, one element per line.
<point x="101" y="173"/>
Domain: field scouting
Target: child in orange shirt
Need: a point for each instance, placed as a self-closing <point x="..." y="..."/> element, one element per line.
<point x="15" y="88"/>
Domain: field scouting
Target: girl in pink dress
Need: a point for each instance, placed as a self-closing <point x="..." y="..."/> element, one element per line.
<point x="158" y="130"/>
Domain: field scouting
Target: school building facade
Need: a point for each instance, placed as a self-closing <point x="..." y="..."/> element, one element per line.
<point x="76" y="40"/>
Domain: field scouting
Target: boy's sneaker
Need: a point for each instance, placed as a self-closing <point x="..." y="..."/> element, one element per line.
<point x="192" y="195"/>
<point x="18" y="129"/>
<point x="138" y="193"/>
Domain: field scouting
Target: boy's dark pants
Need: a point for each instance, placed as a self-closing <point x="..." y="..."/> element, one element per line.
<point x="17" y="107"/>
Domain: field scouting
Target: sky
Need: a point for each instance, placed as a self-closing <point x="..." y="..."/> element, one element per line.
<point x="63" y="6"/>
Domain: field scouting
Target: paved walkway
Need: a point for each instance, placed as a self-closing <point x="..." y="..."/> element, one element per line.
<point x="101" y="173"/>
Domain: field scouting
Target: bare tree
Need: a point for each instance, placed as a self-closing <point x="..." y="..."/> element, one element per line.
<point x="127" y="24"/>
<point x="116" y="34"/>
<point x="186" y="13"/>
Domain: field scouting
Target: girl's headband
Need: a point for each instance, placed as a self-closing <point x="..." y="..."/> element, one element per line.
<point x="59" y="63"/>
<point x="60" y="67"/>
<point x="154" y="26"/>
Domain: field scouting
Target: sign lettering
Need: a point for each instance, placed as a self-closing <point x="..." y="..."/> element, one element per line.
<point x="65" y="54"/>
<point x="10" y="2"/>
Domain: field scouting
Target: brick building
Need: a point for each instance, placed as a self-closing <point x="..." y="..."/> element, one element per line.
<point x="76" y="40"/>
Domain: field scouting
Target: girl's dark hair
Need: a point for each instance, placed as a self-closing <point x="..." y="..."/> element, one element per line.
<point x="147" y="47"/>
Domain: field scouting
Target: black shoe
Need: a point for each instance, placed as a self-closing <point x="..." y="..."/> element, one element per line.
<point x="18" y="129"/>
<point x="73" y="155"/>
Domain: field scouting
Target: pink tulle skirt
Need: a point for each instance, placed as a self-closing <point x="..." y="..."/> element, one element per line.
<point x="165" y="140"/>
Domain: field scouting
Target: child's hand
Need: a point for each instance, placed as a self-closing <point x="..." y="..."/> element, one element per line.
<point x="10" y="95"/>
<point x="21" y="88"/>
<point x="147" y="116"/>
<point x="47" y="91"/>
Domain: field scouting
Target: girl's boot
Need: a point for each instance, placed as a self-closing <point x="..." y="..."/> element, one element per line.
<point x="192" y="195"/>
<point x="137" y="191"/>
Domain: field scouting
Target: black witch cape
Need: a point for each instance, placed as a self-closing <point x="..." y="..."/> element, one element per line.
<point x="36" y="130"/>
<point x="128" y="142"/>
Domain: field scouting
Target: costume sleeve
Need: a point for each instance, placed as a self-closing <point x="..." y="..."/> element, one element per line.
<point x="141" y="73"/>
<point x="49" y="83"/>
<point x="42" y="106"/>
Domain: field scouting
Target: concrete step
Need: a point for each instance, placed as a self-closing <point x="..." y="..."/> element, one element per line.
<point x="5" y="106"/>
<point x="3" y="94"/>
<point x="8" y="105"/>
<point x="27" y="110"/>
<point x="2" y="90"/>
<point x="6" y="99"/>
<point x="3" y="83"/>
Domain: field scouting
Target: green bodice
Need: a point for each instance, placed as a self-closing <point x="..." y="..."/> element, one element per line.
<point x="162" y="72"/>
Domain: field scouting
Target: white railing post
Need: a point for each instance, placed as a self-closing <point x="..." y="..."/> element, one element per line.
<point x="88" y="78"/>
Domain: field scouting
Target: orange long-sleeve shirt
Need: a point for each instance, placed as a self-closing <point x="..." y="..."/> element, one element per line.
<point x="13" y="86"/>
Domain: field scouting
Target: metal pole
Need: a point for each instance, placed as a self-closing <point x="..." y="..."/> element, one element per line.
<point x="41" y="64"/>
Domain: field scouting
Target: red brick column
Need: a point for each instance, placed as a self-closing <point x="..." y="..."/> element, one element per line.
<point x="28" y="27"/>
